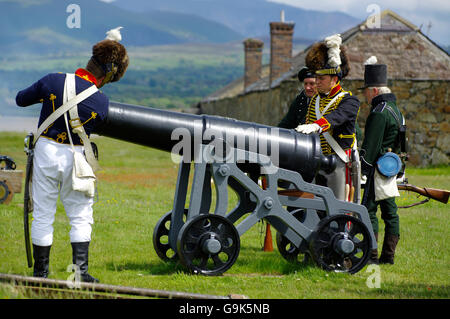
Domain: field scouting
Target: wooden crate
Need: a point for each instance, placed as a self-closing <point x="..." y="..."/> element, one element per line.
<point x="14" y="177"/>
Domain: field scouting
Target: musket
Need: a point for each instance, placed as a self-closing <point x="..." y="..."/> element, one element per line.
<point x="27" y="201"/>
<point x="436" y="194"/>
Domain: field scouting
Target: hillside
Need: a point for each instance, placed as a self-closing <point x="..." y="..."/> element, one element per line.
<point x="251" y="17"/>
<point x="40" y="26"/>
<point x="180" y="51"/>
<point x="169" y="76"/>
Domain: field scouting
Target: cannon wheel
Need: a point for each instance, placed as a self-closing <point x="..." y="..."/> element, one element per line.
<point x="341" y="243"/>
<point x="6" y="193"/>
<point x="161" y="238"/>
<point x="286" y="248"/>
<point x="208" y="244"/>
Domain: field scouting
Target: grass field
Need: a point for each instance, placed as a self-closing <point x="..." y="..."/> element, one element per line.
<point x="136" y="188"/>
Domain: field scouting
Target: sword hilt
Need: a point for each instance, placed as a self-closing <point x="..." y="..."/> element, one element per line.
<point x="28" y="143"/>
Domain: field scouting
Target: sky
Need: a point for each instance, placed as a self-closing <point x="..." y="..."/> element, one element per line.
<point x="421" y="13"/>
<point x="418" y="12"/>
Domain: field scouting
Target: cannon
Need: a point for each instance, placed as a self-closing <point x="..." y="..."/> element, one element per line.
<point x="271" y="172"/>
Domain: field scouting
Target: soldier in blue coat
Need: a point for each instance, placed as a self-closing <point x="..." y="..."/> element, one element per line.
<point x="297" y="111"/>
<point x="53" y="153"/>
<point x="332" y="112"/>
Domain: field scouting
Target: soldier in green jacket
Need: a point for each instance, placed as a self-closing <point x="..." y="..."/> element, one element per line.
<point x="297" y="111"/>
<point x="381" y="136"/>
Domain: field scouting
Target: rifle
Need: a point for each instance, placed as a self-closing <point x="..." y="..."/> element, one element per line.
<point x="436" y="194"/>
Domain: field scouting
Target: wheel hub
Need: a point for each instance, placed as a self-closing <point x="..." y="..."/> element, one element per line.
<point x="343" y="244"/>
<point x="211" y="245"/>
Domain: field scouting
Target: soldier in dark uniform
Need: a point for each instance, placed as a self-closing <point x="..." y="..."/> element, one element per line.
<point x="53" y="153"/>
<point x="381" y="135"/>
<point x="297" y="111"/>
<point x="332" y="112"/>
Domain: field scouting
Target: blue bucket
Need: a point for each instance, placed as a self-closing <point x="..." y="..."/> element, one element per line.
<point x="389" y="164"/>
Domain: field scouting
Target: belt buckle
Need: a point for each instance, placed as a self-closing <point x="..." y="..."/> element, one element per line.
<point x="74" y="123"/>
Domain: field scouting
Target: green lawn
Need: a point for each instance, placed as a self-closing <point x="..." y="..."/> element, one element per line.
<point x="136" y="188"/>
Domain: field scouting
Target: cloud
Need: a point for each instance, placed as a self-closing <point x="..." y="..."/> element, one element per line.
<point x="418" y="12"/>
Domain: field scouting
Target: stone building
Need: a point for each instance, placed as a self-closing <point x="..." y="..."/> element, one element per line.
<point x="418" y="71"/>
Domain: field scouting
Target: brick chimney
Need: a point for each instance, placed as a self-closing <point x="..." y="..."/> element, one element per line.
<point x="280" y="47"/>
<point x="253" y="61"/>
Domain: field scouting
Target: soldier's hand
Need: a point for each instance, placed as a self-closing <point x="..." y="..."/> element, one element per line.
<point x="308" y="128"/>
<point x="363" y="179"/>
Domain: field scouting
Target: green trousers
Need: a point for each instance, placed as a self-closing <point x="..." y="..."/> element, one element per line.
<point x="389" y="214"/>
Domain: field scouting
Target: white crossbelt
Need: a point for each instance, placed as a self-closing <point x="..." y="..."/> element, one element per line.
<point x="334" y="145"/>
<point x="77" y="126"/>
<point x="64" y="108"/>
<point x="71" y="106"/>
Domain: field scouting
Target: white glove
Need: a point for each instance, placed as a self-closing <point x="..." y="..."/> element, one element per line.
<point x="363" y="179"/>
<point x="309" y="128"/>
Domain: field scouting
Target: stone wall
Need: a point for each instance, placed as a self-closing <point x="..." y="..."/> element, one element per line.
<point x="425" y="104"/>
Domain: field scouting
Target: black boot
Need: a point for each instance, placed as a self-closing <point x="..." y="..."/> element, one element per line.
<point x="80" y="253"/>
<point x="388" y="252"/>
<point x="41" y="256"/>
<point x="373" y="259"/>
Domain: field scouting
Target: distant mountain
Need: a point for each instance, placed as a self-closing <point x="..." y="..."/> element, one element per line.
<point x="251" y="17"/>
<point x="30" y="26"/>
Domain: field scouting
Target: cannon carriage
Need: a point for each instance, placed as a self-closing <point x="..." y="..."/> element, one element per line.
<point x="10" y="179"/>
<point x="236" y="156"/>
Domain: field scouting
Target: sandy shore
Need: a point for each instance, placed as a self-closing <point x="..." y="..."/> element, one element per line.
<point x="18" y="124"/>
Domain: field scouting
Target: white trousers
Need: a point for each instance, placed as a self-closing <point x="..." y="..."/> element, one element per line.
<point x="52" y="175"/>
<point x="336" y="179"/>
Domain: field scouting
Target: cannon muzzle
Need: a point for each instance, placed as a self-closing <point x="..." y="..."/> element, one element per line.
<point x="162" y="130"/>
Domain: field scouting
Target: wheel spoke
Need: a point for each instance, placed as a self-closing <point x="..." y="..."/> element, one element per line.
<point x="355" y="260"/>
<point x="217" y="262"/>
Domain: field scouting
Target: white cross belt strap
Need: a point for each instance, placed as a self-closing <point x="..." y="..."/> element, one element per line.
<point x="334" y="145"/>
<point x="71" y="105"/>
<point x="77" y="126"/>
<point x="64" y="108"/>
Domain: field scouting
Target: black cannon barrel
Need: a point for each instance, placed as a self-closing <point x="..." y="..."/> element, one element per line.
<point x="155" y="128"/>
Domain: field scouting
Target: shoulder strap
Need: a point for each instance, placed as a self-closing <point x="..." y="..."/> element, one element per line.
<point x="77" y="126"/>
<point x="64" y="108"/>
<point x="333" y="143"/>
<point x="400" y="123"/>
<point x="401" y="129"/>
<point x="379" y="108"/>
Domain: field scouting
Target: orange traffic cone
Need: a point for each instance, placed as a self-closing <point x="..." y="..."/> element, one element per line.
<point x="268" y="239"/>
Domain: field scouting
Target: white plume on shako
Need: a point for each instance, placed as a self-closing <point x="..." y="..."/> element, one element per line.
<point x="114" y="34"/>
<point x="333" y="43"/>
<point x="372" y="60"/>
